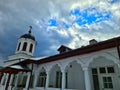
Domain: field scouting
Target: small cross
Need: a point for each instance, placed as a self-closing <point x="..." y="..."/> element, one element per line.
<point x="30" y="29"/>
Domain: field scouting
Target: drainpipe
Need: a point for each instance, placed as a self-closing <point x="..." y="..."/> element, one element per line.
<point x="118" y="49"/>
<point x="30" y="76"/>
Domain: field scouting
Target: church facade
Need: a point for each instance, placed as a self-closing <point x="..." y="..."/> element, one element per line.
<point x="92" y="67"/>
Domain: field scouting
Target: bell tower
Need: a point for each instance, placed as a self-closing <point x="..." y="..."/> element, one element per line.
<point x="26" y="44"/>
<point x="24" y="50"/>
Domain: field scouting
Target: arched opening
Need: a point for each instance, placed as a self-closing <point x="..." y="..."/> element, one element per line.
<point x="41" y="78"/>
<point x="19" y="46"/>
<point x="24" y="46"/>
<point x="22" y="79"/>
<point x="31" y="48"/>
<point x="74" y="76"/>
<point x="104" y="74"/>
<point x="55" y="77"/>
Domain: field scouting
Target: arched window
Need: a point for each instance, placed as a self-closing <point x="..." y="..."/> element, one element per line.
<point x="41" y="79"/>
<point x="24" y="46"/>
<point x="31" y="48"/>
<point x="18" y="47"/>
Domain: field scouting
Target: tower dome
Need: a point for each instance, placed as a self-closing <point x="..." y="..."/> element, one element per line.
<point x="29" y="36"/>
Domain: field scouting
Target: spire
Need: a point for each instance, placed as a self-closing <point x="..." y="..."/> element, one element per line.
<point x="30" y="29"/>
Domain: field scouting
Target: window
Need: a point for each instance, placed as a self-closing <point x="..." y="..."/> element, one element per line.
<point x="13" y="80"/>
<point x="107" y="82"/>
<point x="102" y="70"/>
<point x="24" y="46"/>
<point x="66" y="76"/>
<point x="110" y="69"/>
<point x="95" y="79"/>
<point x="31" y="47"/>
<point x="94" y="71"/>
<point x="41" y="80"/>
<point x="18" y="47"/>
<point x="58" y="79"/>
<point x="23" y="84"/>
<point x="22" y="79"/>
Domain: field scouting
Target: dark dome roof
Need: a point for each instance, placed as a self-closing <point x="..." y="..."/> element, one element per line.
<point x="28" y="36"/>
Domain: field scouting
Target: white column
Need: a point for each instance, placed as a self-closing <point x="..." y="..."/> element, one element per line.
<point x="16" y="80"/>
<point x="6" y="78"/>
<point x="28" y="80"/>
<point x="2" y="79"/>
<point x="35" y="79"/>
<point x="47" y="80"/>
<point x="63" y="79"/>
<point x="87" y="78"/>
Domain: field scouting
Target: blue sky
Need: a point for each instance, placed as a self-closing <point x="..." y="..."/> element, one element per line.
<point x="56" y="23"/>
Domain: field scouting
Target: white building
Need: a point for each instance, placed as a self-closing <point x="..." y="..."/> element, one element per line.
<point x="92" y="67"/>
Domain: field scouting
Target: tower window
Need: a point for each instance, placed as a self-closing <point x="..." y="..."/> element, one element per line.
<point x="18" y="47"/>
<point x="24" y="46"/>
<point x="31" y="47"/>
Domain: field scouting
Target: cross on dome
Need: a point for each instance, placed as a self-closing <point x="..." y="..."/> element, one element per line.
<point x="28" y="35"/>
<point x="30" y="29"/>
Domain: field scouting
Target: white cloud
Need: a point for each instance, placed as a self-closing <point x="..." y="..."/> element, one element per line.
<point x="16" y="15"/>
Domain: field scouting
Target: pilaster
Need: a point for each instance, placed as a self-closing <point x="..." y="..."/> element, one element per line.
<point x="28" y="80"/>
<point x="87" y="78"/>
<point x="47" y="79"/>
<point x="63" y="79"/>
<point x="3" y="78"/>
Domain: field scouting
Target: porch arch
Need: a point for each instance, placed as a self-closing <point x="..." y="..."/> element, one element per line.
<point x="41" y="77"/>
<point x="108" y="56"/>
<point x="55" y="80"/>
<point x="74" y="76"/>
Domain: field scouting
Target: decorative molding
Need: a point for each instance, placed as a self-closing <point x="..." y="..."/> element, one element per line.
<point x="108" y="56"/>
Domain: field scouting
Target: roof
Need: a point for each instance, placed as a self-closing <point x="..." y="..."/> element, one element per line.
<point x="1" y="67"/>
<point x="15" y="69"/>
<point x="80" y="51"/>
<point x="28" y="36"/>
<point x="63" y="47"/>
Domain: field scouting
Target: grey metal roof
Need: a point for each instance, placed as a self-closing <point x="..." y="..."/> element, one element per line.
<point x="28" y="36"/>
<point x="20" y="67"/>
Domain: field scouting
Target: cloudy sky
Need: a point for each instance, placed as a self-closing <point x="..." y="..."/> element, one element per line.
<point x="57" y="22"/>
